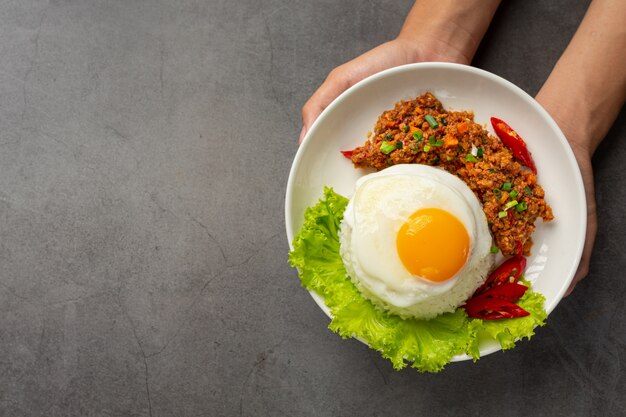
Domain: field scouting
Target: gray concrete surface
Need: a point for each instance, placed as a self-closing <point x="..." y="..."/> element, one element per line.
<point x="144" y="153"/>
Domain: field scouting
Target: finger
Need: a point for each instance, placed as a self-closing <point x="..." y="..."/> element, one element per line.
<point x="302" y="134"/>
<point x="335" y="84"/>
<point x="384" y="56"/>
<point x="583" y="267"/>
<point x="592" y="228"/>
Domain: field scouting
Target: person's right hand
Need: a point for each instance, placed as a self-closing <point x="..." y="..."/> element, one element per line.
<point x="583" y="149"/>
<point x="584" y="97"/>
<point x="583" y="157"/>
<point x="397" y="52"/>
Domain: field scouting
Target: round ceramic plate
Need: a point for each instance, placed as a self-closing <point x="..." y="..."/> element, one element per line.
<point x="346" y="122"/>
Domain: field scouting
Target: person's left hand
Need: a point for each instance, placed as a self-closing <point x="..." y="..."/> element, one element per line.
<point x="390" y="54"/>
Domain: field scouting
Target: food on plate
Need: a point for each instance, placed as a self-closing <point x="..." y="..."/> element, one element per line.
<point x="512" y="140"/>
<point x="415" y="241"/>
<point x="405" y="263"/>
<point x="426" y="345"/>
<point x="496" y="298"/>
<point x="422" y="131"/>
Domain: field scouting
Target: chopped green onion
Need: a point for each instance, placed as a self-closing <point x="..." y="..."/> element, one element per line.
<point x="497" y="192"/>
<point x="443" y="121"/>
<point x="406" y="128"/>
<point x="506" y="186"/>
<point x="432" y="140"/>
<point x="493" y="171"/>
<point x="494" y="249"/>
<point x="434" y="160"/>
<point x="527" y="190"/>
<point x="431" y="121"/>
<point x="471" y="158"/>
<point x="386" y="147"/>
<point x="399" y="144"/>
<point x="426" y="148"/>
<point x="449" y="158"/>
<point x="438" y="142"/>
<point x="510" y="204"/>
<point x="480" y="152"/>
<point x="418" y="135"/>
<point x="513" y="194"/>
<point x="388" y="137"/>
<point x="521" y="207"/>
<point x="501" y="214"/>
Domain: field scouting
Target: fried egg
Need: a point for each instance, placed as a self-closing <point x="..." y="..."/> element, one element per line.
<point x="415" y="241"/>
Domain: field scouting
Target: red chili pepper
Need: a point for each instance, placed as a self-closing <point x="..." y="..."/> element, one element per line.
<point x="509" y="271"/>
<point x="509" y="291"/>
<point x="347" y="154"/>
<point x="512" y="140"/>
<point x="493" y="309"/>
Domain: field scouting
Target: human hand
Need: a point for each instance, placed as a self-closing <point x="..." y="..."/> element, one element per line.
<point x="397" y="52"/>
<point x="584" y="97"/>
<point x="583" y="157"/>
<point x="451" y="33"/>
<point x="583" y="151"/>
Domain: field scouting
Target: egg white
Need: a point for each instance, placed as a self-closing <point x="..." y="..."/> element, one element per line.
<point x="381" y="204"/>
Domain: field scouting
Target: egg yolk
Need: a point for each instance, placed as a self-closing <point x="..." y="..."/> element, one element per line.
<point x="433" y="244"/>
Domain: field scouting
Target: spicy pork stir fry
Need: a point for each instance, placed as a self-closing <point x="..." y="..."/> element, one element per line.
<point x="499" y="171"/>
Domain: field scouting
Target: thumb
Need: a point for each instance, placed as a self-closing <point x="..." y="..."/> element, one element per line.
<point x="331" y="88"/>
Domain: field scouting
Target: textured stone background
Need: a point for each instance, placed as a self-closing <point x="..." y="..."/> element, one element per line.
<point x="144" y="153"/>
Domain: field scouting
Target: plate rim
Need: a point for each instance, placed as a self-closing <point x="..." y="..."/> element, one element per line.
<point x="571" y="159"/>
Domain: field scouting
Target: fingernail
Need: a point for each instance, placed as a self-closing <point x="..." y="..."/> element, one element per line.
<point x="302" y="133"/>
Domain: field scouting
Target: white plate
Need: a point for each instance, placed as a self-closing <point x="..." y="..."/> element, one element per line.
<point x="345" y="123"/>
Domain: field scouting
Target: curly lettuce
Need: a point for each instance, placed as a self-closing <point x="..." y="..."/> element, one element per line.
<point x="427" y="345"/>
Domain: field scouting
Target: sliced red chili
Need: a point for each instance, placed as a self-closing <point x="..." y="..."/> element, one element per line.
<point x="509" y="271"/>
<point x="512" y="140"/>
<point x="347" y="154"/>
<point x="509" y="291"/>
<point x="493" y="309"/>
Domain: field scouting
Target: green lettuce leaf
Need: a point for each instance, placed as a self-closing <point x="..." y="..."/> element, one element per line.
<point x="428" y="345"/>
<point x="508" y="331"/>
